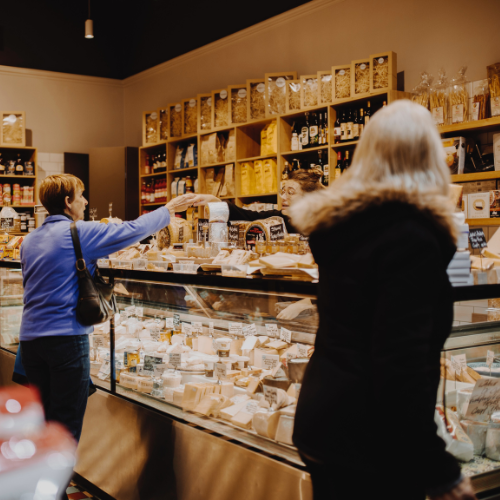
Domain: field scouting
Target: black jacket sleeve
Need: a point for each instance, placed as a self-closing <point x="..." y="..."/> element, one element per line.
<point x="237" y="213"/>
<point x="410" y="282"/>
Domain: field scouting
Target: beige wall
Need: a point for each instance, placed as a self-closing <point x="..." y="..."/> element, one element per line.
<point x="65" y="113"/>
<point x="426" y="34"/>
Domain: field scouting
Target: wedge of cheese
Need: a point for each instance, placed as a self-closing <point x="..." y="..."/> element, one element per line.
<point x="265" y="423"/>
<point x="210" y="403"/>
<point x="229" y="412"/>
<point x="278" y="261"/>
<point x="307" y="262"/>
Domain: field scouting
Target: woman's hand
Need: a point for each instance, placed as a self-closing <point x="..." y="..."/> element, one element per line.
<point x="463" y="491"/>
<point x="203" y="199"/>
<point x="181" y="203"/>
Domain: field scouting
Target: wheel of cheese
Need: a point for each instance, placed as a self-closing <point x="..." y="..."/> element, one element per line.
<point x="178" y="231"/>
<point x="262" y="228"/>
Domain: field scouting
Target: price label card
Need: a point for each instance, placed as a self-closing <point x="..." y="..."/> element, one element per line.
<point x="159" y="369"/>
<point x="302" y="351"/>
<point x="271" y="395"/>
<point x="277" y="232"/>
<point x="286" y="335"/>
<point x="272" y="330"/>
<point x="150" y="362"/>
<point x="220" y="370"/>
<point x="490" y="357"/>
<point x="104" y="371"/>
<point x="477" y="238"/>
<point x="155" y="333"/>
<point x="236" y="328"/>
<point x="459" y="363"/>
<point x="98" y="341"/>
<point x="174" y="359"/>
<point x="187" y="329"/>
<point x="250" y="330"/>
<point x="197" y="327"/>
<point x="139" y="311"/>
<point x="484" y="400"/>
<point x="270" y="361"/>
<point x="211" y="329"/>
<point x="177" y="320"/>
<point x="233" y="233"/>
<point x="251" y="407"/>
<point x="169" y="323"/>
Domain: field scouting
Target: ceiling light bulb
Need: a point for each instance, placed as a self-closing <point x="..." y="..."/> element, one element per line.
<point x="89" y="28"/>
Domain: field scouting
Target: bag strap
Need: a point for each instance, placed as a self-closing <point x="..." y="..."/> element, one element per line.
<point x="80" y="262"/>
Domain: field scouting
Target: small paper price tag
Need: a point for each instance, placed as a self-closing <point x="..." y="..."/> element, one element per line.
<point x="270" y="361"/>
<point x="139" y="311"/>
<point x="155" y="334"/>
<point x="169" y="323"/>
<point x="249" y="330"/>
<point x="302" y="351"/>
<point x="98" y="341"/>
<point x="490" y="356"/>
<point x="459" y="363"/>
<point x="236" y="328"/>
<point x="149" y="364"/>
<point x="285" y="335"/>
<point x="272" y="330"/>
<point x="197" y="327"/>
<point x="220" y="370"/>
<point x="211" y="329"/>
<point x="104" y="371"/>
<point x="187" y="329"/>
<point x="159" y="369"/>
<point x="177" y="320"/>
<point x="477" y="238"/>
<point x="271" y="395"/>
<point x="251" y="407"/>
<point x="174" y="359"/>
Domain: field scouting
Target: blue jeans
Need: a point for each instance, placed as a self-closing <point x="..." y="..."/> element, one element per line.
<point x="60" y="368"/>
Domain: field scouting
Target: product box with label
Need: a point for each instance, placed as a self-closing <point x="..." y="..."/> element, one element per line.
<point x="496" y="150"/>
<point x="495" y="203"/>
<point x="478" y="206"/>
<point x="455" y="154"/>
<point x="479" y="186"/>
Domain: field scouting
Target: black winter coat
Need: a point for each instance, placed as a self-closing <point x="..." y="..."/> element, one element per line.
<point x="385" y="310"/>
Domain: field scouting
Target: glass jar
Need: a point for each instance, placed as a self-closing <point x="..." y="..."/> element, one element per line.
<point x="459" y="98"/>
<point x="438" y="99"/>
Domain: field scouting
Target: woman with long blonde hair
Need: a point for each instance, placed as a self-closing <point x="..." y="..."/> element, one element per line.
<point x="383" y="236"/>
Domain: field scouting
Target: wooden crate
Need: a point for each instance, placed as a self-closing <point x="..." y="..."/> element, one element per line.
<point x="293" y="103"/>
<point x="163" y="124"/>
<point x="378" y="63"/>
<point x="360" y="84"/>
<point x="149" y="128"/>
<point x="276" y="92"/>
<point x="220" y="109"/>
<point x="256" y="101"/>
<point x="175" y="120"/>
<point x="189" y="116"/>
<point x="341" y="82"/>
<point x="204" y="112"/>
<point x="238" y="104"/>
<point x="309" y="91"/>
<point x="325" y="87"/>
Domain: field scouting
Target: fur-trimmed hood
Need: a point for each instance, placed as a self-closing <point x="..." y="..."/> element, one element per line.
<point x="325" y="208"/>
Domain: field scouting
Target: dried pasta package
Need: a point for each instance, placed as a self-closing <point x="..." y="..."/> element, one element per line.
<point x="422" y="90"/>
<point x="325" y="87"/>
<point x="292" y="95"/>
<point x="341" y="84"/>
<point x="256" y="91"/>
<point x="360" y="77"/>
<point x="228" y="187"/>
<point x="189" y="118"/>
<point x="150" y="128"/>
<point x="231" y="146"/>
<point x="494" y="78"/>
<point x="209" y="149"/>
<point x="238" y="103"/>
<point x="459" y="98"/>
<point x="480" y="100"/>
<point x="220" y="108"/>
<point x="438" y="99"/>
<point x="276" y="92"/>
<point x="163" y="124"/>
<point x="383" y="71"/>
<point x="204" y="112"/>
<point x="308" y="91"/>
<point x="175" y="112"/>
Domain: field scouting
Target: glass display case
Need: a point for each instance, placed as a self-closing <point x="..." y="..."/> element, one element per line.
<point x="227" y="354"/>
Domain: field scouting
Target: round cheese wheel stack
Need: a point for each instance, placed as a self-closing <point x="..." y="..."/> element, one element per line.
<point x="178" y="231"/>
<point x="261" y="227"/>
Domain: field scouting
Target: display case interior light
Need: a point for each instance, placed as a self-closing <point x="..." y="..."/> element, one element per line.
<point x="89" y="28"/>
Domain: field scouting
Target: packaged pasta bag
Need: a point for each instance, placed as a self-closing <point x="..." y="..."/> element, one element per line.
<point x="480" y="100"/>
<point x="293" y="95"/>
<point x="422" y="90"/>
<point x="438" y="99"/>
<point x="459" y="97"/>
<point x="238" y="104"/>
<point x="494" y="79"/>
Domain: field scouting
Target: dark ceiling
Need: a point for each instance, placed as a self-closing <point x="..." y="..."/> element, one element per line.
<point x="129" y="36"/>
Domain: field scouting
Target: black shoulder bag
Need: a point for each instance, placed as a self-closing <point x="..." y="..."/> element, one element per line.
<point x="96" y="303"/>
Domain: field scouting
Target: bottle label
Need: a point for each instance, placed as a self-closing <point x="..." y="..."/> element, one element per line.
<point x="326" y="170"/>
<point x="295" y="143"/>
<point x="19" y="168"/>
<point x="475" y="110"/>
<point x="438" y="115"/>
<point x="337" y="172"/>
<point x="349" y="131"/>
<point x="367" y="119"/>
<point x="305" y="136"/>
<point x="355" y="130"/>
<point x="343" y="131"/>
<point x="337" y="131"/>
<point x="313" y="131"/>
<point x="495" y="106"/>
<point x="457" y="113"/>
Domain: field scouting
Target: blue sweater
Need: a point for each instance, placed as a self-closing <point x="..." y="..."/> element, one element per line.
<point x="49" y="274"/>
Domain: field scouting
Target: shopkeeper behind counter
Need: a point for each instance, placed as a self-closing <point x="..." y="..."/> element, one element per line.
<point x="298" y="183"/>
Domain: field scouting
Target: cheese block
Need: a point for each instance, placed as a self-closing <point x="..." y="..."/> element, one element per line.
<point x="284" y="431"/>
<point x="178" y="231"/>
<point x="227" y="389"/>
<point x="168" y="394"/>
<point x="277" y="344"/>
<point x="245" y="416"/>
<point x="251" y="342"/>
<point x="178" y="395"/>
<point x="229" y="412"/>
<point x="265" y="423"/>
<point x="281" y="399"/>
<point x="263" y="340"/>
<point x="477" y="434"/>
<point x="215" y="410"/>
<point x="261" y="229"/>
<point x="307" y="261"/>
<point x="193" y="394"/>
<point x="253" y="385"/>
<point x="488" y="253"/>
<point x="277" y="262"/>
<point x="205" y="345"/>
<point x="209" y="403"/>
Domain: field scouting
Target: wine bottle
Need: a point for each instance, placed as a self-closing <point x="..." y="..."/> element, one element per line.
<point x="347" y="161"/>
<point x="368" y="113"/>
<point x="147" y="168"/>
<point x="2" y="165"/>
<point x="313" y="131"/>
<point x="355" y="126"/>
<point x="350" y="124"/>
<point x="361" y="122"/>
<point x="286" y="172"/>
<point x="295" y="165"/>
<point x="343" y="128"/>
<point x="19" y="165"/>
<point x="338" y="167"/>
<point x="325" y="128"/>
<point x="305" y="132"/>
<point x="336" y="130"/>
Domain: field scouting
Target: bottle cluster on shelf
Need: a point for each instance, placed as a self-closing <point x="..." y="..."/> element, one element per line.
<point x="16" y="195"/>
<point x="310" y="132"/>
<point x="183" y="185"/>
<point x="343" y="162"/>
<point x="350" y="123"/>
<point x="155" y="164"/>
<point x="16" y="166"/>
<point x="154" y="191"/>
<point x="320" y="163"/>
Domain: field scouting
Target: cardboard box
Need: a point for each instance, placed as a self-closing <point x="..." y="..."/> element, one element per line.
<point x="455" y="154"/>
<point x="478" y="206"/>
<point x="479" y="186"/>
<point x="495" y="203"/>
<point x="496" y="150"/>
